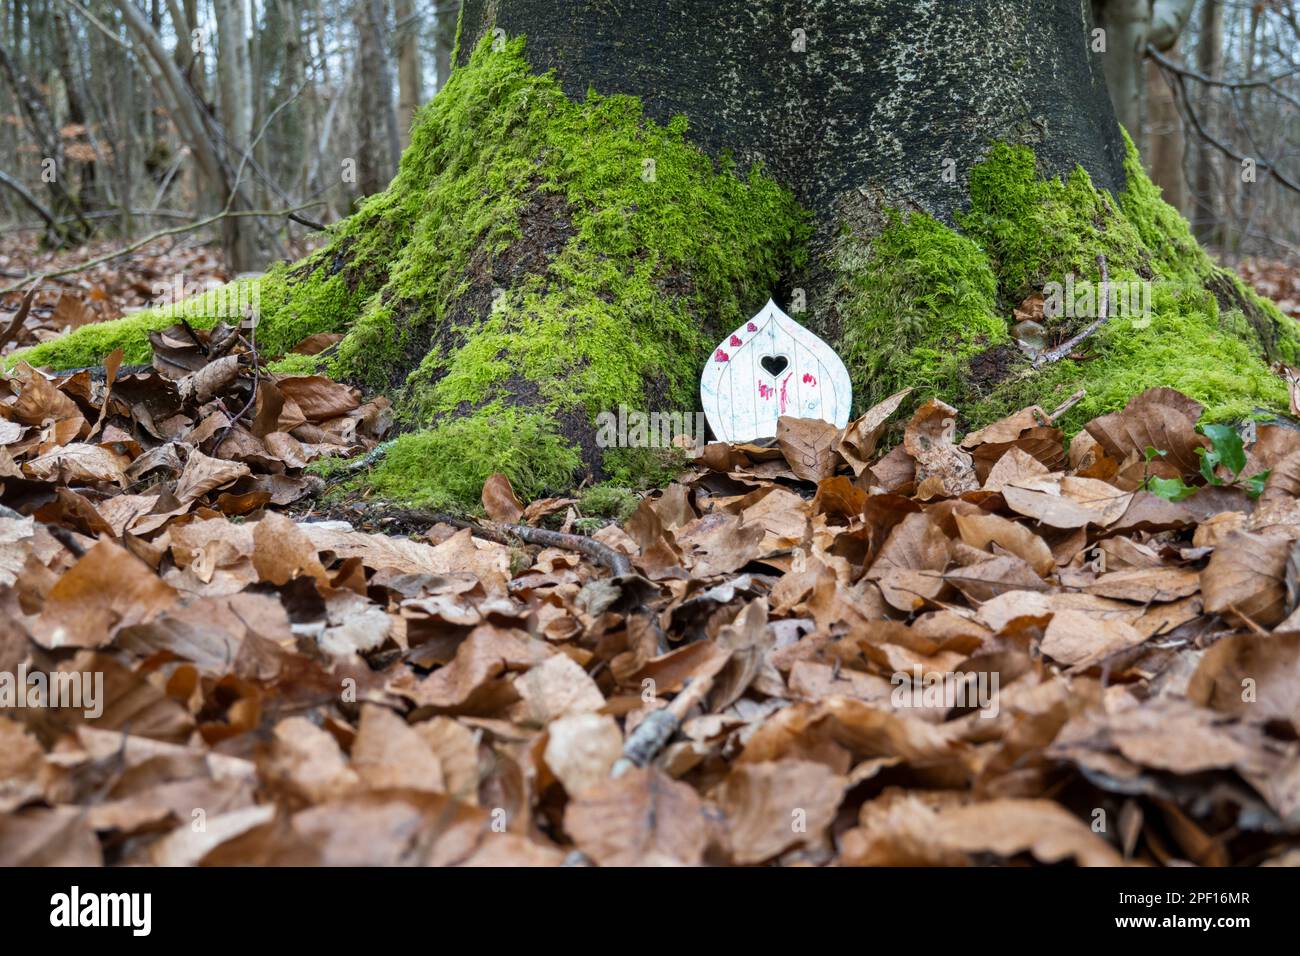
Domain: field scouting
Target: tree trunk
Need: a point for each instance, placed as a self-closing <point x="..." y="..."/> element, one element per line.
<point x="838" y="97"/>
<point x="1206" y="190"/>
<point x="408" y="68"/>
<point x="444" y="40"/>
<point x="899" y="178"/>
<point x="1165" y="141"/>
<point x="234" y="78"/>
<point x="377" y="138"/>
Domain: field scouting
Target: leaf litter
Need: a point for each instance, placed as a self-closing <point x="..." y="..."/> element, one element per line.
<point x="877" y="645"/>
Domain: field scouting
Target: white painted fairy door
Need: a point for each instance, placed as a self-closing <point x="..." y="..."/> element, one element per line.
<point x="769" y="367"/>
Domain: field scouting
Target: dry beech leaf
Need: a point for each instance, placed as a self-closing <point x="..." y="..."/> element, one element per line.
<point x="307" y="761"/>
<point x="318" y="398"/>
<point x="1245" y="578"/>
<point x="1145" y="585"/>
<point x="1007" y="429"/>
<point x="480" y="659"/>
<point x="282" y="551"/>
<point x="1253" y="676"/>
<point x="942" y="468"/>
<point x="389" y="753"/>
<point x="856" y="444"/>
<point x="913" y="834"/>
<point x="808" y="446"/>
<point x="556" y="688"/>
<point x="1159" y="418"/>
<point x="1074" y="503"/>
<point x="643" y="818"/>
<point x="499" y="500"/>
<point x="78" y="464"/>
<point x="1014" y="467"/>
<point x="772" y="806"/>
<point x="914" y="547"/>
<point x="203" y="474"/>
<point x="1080" y="640"/>
<point x="981" y="531"/>
<point x="106" y="590"/>
<point x="581" y="750"/>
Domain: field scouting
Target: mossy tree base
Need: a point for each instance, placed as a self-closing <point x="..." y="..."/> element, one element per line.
<point x="539" y="260"/>
<point x="919" y="304"/>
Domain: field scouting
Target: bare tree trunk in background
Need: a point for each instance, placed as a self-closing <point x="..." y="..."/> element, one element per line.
<point x="1209" y="61"/>
<point x="40" y="123"/>
<point x="378" y="149"/>
<point x="1165" y="140"/>
<point x="1127" y="24"/>
<point x="392" y="136"/>
<point x="444" y="40"/>
<point x="408" y="69"/>
<point x="234" y="79"/>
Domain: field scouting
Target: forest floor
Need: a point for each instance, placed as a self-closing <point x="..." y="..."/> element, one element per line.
<point x="997" y="647"/>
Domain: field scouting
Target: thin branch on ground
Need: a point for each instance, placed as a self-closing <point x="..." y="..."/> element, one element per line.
<point x="1103" y="315"/>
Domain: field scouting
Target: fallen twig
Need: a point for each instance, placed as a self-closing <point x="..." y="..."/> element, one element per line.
<point x="1066" y="405"/>
<point x="1103" y="314"/>
<point x="653" y="733"/>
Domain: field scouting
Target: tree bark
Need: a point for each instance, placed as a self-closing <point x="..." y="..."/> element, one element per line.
<point x="234" y="78"/>
<point x="835" y="97"/>
<point x="444" y="40"/>
<point x="376" y="123"/>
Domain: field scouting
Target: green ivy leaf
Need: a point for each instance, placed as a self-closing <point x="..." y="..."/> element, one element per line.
<point x="1227" y="449"/>
<point x="1171" y="489"/>
<point x="1254" y="485"/>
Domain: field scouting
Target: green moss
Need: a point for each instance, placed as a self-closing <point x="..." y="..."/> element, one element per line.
<point x="444" y="468"/>
<point x="562" y="257"/>
<point x="1035" y="230"/>
<point x="920" y="303"/>
<point x="653" y="247"/>
<point x="295" y="364"/>
<point x="292" y="302"/>
<point x="89" y="344"/>
<point x="943" y="292"/>
<point x="608" y="500"/>
<point x="1189" y="345"/>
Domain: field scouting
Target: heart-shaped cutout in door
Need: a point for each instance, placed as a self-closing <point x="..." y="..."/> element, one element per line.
<point x="774" y="365"/>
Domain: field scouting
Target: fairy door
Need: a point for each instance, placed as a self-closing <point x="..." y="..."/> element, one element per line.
<point x="769" y="367"/>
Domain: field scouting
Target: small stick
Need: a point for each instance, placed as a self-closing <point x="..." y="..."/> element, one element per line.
<point x="1061" y="351"/>
<point x="1066" y="405"/>
<point x="194" y="336"/>
<point x="617" y="563"/>
<point x="653" y="733"/>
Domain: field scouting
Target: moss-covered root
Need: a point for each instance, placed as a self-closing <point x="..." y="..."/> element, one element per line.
<point x="947" y="296"/>
<point x="565" y="258"/>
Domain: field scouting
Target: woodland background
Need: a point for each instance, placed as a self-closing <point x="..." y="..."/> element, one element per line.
<point x="152" y="120"/>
